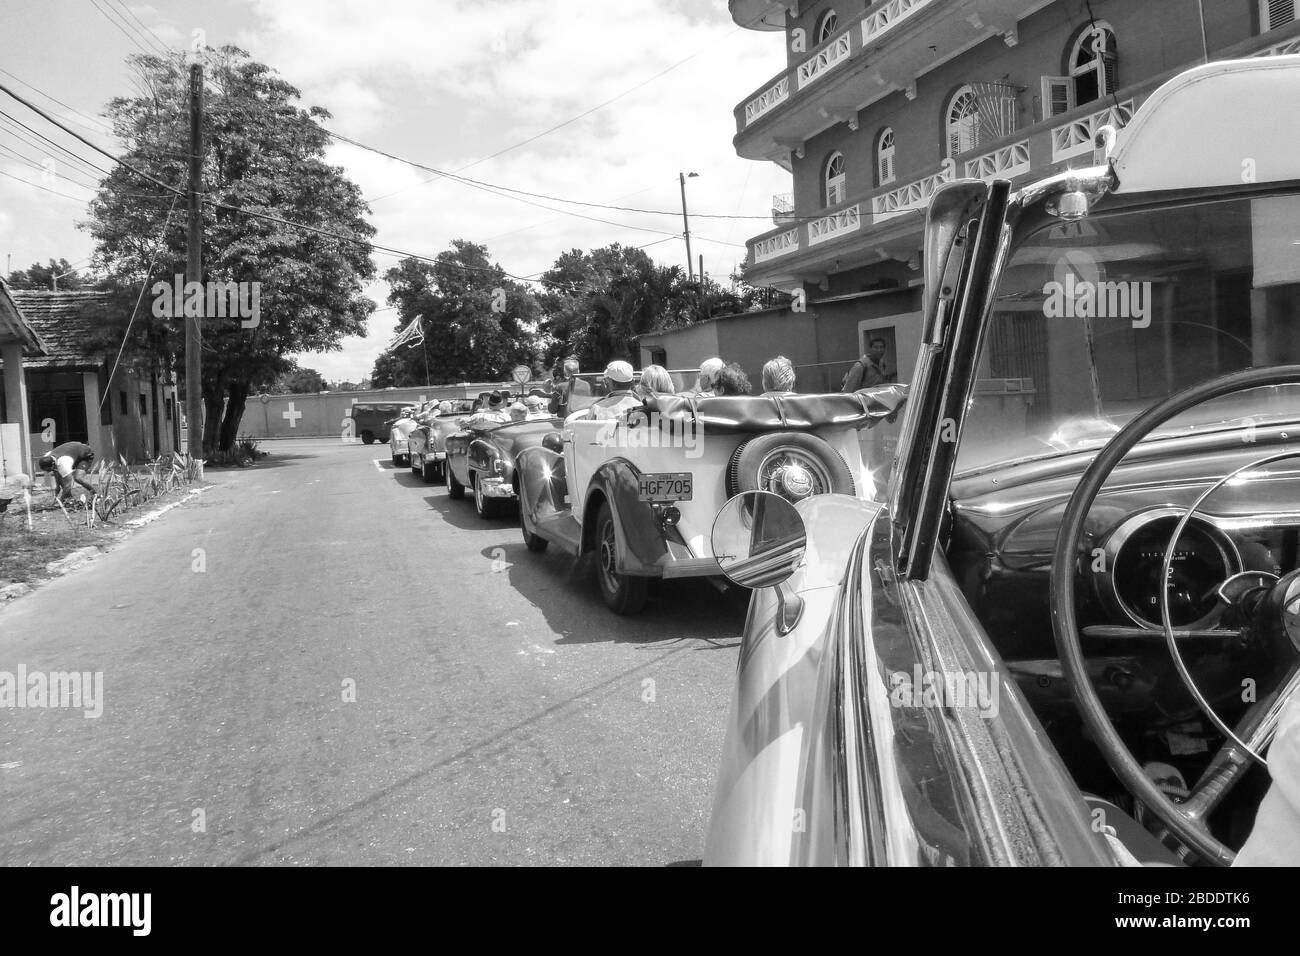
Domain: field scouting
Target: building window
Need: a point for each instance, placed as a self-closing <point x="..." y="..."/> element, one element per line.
<point x="144" y="405"/>
<point x="834" y="179"/>
<point x="169" y="408"/>
<point x="122" y="402"/>
<point x="963" y="125"/>
<point x="827" y="26"/>
<point x="1092" y="64"/>
<point x="885" y="157"/>
<point x="1277" y="13"/>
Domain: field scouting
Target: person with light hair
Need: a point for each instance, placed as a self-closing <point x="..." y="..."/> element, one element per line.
<point x="518" y="412"/>
<point x="706" y="383"/>
<point x="655" y="380"/>
<point x="568" y="385"/>
<point x="778" y="376"/>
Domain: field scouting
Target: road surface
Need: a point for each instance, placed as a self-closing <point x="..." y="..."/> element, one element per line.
<point x="321" y="660"/>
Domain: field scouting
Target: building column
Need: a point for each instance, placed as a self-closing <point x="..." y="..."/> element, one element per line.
<point x="94" y="425"/>
<point x="16" y="398"/>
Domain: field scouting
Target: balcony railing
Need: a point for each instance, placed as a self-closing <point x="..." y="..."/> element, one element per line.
<point x="1006" y="162"/>
<point x="834" y="225"/>
<point x="868" y="29"/>
<point x="773" y="246"/>
<point x="907" y="197"/>
<point x="1078" y="137"/>
<point x="878" y="21"/>
<point x="772" y="97"/>
<point x="782" y="208"/>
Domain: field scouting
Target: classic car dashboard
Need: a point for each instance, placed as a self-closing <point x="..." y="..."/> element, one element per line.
<point x="1001" y="535"/>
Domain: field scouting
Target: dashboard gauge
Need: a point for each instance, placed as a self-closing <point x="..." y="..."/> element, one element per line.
<point x="1203" y="558"/>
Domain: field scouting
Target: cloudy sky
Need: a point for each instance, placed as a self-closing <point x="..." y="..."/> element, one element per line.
<point x="447" y="83"/>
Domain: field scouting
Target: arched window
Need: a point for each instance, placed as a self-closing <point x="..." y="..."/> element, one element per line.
<point x="963" y="126"/>
<point x="834" y="179"/>
<point x="1092" y="63"/>
<point x="827" y="26"/>
<point x="885" y="157"/>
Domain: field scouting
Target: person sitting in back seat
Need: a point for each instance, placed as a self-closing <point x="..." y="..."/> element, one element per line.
<point x="778" y="377"/>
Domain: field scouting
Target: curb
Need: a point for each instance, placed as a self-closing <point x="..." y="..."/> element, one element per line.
<point x="155" y="515"/>
<point x="70" y="562"/>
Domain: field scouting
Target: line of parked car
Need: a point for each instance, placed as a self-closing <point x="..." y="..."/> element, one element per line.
<point x="1067" y="630"/>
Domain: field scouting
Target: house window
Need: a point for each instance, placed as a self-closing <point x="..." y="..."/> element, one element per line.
<point x="1092" y="76"/>
<point x="1277" y="13"/>
<point x="827" y="26"/>
<point x="122" y="403"/>
<point x="834" y="179"/>
<point x="169" y="408"/>
<point x="144" y="405"/>
<point x="885" y="157"/>
<point x="963" y="125"/>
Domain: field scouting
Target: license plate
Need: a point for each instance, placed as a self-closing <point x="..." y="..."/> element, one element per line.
<point x="675" y="486"/>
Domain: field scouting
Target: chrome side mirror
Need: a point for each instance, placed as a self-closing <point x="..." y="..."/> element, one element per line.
<point x="759" y="540"/>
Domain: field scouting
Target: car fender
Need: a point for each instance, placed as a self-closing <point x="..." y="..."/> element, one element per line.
<point x="643" y="545"/>
<point x="760" y="808"/>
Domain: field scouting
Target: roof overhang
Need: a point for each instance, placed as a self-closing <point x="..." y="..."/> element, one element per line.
<point x="759" y="14"/>
<point x="14" y="327"/>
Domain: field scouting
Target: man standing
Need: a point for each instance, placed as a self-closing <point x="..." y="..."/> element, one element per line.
<point x="870" y="370"/>
<point x="566" y="386"/>
<point x="68" y="462"/>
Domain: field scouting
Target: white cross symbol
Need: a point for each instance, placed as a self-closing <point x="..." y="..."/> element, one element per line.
<point x="291" y="416"/>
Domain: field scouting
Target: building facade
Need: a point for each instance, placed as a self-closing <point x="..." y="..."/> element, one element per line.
<point x="881" y="102"/>
<point x="79" y="389"/>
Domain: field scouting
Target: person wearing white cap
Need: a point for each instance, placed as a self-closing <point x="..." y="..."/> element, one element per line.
<point x="537" y="407"/>
<point x="618" y="398"/>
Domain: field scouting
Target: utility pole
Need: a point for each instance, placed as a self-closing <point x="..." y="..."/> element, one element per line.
<point x="686" y="227"/>
<point x="194" y="266"/>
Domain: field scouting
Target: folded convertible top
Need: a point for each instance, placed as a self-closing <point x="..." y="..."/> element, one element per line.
<point x="745" y="413"/>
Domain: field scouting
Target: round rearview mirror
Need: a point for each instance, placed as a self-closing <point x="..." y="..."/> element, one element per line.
<point x="758" y="539"/>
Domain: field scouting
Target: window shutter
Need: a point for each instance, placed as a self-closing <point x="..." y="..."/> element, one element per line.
<point x="1058" y="95"/>
<point x="1276" y="13"/>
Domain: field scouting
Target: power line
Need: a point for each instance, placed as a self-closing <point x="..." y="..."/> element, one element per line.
<point x="104" y="127"/>
<point x="130" y="36"/>
<point x="39" y="186"/>
<point x="465" y="180"/>
<point x="158" y="40"/>
<point x="62" y="149"/>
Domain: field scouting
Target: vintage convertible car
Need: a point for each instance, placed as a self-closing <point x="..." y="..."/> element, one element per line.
<point x="640" y="492"/>
<point x="481" y="458"/>
<point x="398" y="431"/>
<point x="1069" y="631"/>
<point x="427" y="441"/>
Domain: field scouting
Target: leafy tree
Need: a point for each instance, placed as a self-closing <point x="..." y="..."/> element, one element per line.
<point x="477" y="322"/>
<point x="297" y="381"/>
<point x="597" y="303"/>
<point x="263" y="153"/>
<point x="43" y="277"/>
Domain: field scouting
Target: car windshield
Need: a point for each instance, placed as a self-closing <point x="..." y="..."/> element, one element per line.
<point x="1098" y="319"/>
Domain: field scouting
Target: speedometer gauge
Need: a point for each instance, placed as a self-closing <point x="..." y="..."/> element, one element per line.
<point x="1203" y="558"/>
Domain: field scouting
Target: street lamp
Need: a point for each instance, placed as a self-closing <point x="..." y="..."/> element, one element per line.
<point x="686" y="225"/>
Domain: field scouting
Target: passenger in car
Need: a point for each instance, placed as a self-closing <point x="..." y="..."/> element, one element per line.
<point x="655" y="380"/>
<point x="567" y="386"/>
<point x="732" y="380"/>
<point x="619" y="396"/>
<point x="536" y="405"/>
<point x="707" y="380"/>
<point x="778" y="377"/>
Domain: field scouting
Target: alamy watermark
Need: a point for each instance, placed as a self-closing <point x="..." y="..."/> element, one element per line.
<point x="642" y="429"/>
<point x="965" y="690"/>
<point x="1078" y="290"/>
<point x="74" y="690"/>
<point x="208" y="300"/>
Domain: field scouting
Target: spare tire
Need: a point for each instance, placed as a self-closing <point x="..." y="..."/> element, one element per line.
<point x="794" y="465"/>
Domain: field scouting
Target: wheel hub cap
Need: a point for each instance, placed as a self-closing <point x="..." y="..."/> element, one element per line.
<point x="795" y="481"/>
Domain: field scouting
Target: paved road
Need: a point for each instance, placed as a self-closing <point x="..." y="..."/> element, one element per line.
<point x="501" y="714"/>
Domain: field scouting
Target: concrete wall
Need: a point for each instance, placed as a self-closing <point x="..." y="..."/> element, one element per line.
<point x="315" y="415"/>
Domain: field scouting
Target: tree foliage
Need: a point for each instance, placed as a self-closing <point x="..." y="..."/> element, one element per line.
<point x="477" y="322"/>
<point x="263" y="153"/>
<point x="43" y="277"/>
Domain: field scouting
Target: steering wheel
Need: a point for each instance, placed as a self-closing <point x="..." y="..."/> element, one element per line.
<point x="1275" y="616"/>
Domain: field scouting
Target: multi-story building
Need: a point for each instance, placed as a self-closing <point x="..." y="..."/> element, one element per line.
<point x="881" y="102"/>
